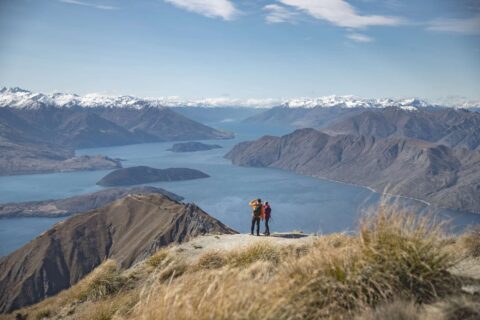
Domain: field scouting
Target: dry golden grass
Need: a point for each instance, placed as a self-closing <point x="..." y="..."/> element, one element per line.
<point x="158" y="258"/>
<point x="103" y="282"/>
<point x="260" y="251"/>
<point x="396" y="310"/>
<point x="212" y="260"/>
<point x="395" y="257"/>
<point x="471" y="242"/>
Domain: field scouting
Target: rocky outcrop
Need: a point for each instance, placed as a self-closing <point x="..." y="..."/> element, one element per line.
<point x="144" y="174"/>
<point x="434" y="173"/>
<point x="193" y="147"/>
<point x="76" y="204"/>
<point x="128" y="230"/>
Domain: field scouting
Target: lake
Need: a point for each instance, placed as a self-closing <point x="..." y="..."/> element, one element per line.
<point x="298" y="202"/>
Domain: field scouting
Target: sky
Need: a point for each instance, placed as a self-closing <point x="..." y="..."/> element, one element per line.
<point x="243" y="49"/>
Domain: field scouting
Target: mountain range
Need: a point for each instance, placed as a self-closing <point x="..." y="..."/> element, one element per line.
<point x="21" y="98"/>
<point x="78" y="127"/>
<point x="450" y="127"/>
<point x="36" y="135"/>
<point x="446" y="177"/>
<point x="128" y="230"/>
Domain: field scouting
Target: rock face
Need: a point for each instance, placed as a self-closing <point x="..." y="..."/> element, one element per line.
<point x="77" y="204"/>
<point x="435" y="173"/>
<point x="144" y="174"/>
<point x="192" y="147"/>
<point x="36" y="158"/>
<point x="128" y="230"/>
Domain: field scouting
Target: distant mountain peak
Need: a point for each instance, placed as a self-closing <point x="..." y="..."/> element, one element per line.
<point x="20" y="98"/>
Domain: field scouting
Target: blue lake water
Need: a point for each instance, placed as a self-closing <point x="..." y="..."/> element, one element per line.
<point x="298" y="202"/>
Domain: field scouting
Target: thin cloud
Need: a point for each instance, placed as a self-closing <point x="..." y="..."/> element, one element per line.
<point x="91" y="5"/>
<point x="358" y="37"/>
<point x="279" y="14"/>
<point x="209" y="8"/>
<point x="464" y="26"/>
<point x="341" y="13"/>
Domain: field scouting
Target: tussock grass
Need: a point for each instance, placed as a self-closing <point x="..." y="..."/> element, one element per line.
<point x="471" y="242"/>
<point x="461" y="308"/>
<point x="173" y="270"/>
<point x="43" y="314"/>
<point x="396" y="310"/>
<point x="158" y="258"/>
<point x="259" y="251"/>
<point x="406" y="252"/>
<point x="105" y="281"/>
<point x="395" y="255"/>
<point x="391" y="269"/>
<point x="212" y="260"/>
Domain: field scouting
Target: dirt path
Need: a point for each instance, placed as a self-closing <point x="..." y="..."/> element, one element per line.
<point x="192" y="249"/>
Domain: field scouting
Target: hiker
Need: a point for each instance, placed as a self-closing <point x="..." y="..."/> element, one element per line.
<point x="257" y="210"/>
<point x="267" y="214"/>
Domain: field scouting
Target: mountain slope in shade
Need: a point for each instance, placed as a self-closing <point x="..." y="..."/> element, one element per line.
<point x="316" y="117"/>
<point x="435" y="173"/>
<point x="128" y="230"/>
<point x="163" y="124"/>
<point x="97" y="127"/>
<point x="452" y="127"/>
<point x="76" y="204"/>
<point x="39" y="158"/>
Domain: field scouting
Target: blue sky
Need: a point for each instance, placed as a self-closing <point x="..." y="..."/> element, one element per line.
<point x="243" y="49"/>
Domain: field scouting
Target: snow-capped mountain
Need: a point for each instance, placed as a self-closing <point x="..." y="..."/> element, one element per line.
<point x="355" y="102"/>
<point x="24" y="99"/>
<point x="20" y="98"/>
<point x="459" y="102"/>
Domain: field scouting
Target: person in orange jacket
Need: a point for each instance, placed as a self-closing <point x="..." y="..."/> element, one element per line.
<point x="257" y="213"/>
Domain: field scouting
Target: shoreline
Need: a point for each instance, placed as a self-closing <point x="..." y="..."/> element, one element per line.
<point x="379" y="192"/>
<point x="392" y="195"/>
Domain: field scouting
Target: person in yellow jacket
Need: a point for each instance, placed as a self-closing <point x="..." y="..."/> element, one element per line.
<point x="257" y="214"/>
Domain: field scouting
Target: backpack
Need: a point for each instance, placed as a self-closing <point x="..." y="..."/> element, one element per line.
<point x="257" y="211"/>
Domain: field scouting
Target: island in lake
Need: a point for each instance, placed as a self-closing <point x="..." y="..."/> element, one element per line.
<point x="144" y="174"/>
<point x="192" y="147"/>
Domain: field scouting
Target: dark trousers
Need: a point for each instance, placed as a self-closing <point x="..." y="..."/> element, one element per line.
<point x="267" y="228"/>
<point x="256" y="220"/>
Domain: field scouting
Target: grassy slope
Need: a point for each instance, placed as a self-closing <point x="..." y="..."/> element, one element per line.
<point x="397" y="267"/>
